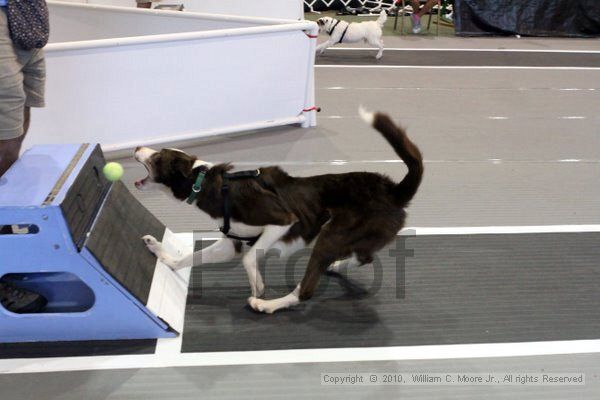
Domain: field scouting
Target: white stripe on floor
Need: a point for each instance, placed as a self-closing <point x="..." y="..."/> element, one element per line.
<point x="472" y="50"/>
<point x="457" y="230"/>
<point x="459" y="67"/>
<point x="490" y="230"/>
<point x="453" y="89"/>
<point x="255" y="164"/>
<point x="430" y="352"/>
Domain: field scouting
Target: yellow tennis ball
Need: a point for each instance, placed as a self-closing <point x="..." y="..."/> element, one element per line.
<point x="113" y="171"/>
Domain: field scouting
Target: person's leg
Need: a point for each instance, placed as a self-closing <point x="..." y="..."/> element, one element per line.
<point x="12" y="98"/>
<point x="419" y="11"/>
<point x="26" y="121"/>
<point x="416" y="16"/>
<point x="10" y="148"/>
<point x="29" y="92"/>
<point x="427" y="7"/>
<point x="24" y="86"/>
<point x="416" y="5"/>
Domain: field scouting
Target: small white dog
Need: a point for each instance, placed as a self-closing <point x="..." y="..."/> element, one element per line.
<point x="346" y="32"/>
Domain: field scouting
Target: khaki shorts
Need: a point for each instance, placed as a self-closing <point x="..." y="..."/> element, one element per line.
<point x="22" y="78"/>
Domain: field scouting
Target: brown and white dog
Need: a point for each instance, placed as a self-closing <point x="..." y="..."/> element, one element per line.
<point x="349" y="216"/>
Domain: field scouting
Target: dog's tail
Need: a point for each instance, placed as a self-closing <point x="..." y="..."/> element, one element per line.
<point x="407" y="150"/>
<point x="382" y="18"/>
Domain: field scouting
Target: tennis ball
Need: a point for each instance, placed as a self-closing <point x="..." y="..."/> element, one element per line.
<point x="113" y="171"/>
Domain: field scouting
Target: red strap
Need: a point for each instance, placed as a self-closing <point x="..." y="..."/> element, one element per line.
<point x="311" y="36"/>
<point x="313" y="108"/>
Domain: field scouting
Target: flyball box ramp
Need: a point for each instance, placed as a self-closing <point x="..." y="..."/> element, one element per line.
<point x="76" y="239"/>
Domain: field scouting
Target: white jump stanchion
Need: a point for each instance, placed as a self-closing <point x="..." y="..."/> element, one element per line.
<point x="309" y="105"/>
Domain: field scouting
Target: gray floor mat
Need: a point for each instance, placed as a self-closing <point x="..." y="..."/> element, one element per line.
<point x="458" y="289"/>
<point x="459" y="58"/>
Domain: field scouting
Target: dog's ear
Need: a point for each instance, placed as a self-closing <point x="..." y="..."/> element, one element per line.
<point x="183" y="166"/>
<point x="320" y="22"/>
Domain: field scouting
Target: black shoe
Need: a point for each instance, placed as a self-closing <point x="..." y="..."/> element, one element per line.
<point x="21" y="301"/>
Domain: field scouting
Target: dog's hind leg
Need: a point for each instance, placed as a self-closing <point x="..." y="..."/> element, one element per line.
<point x="377" y="42"/>
<point x="287" y="248"/>
<point x="331" y="245"/>
<point x="342" y="265"/>
<point x="380" y="52"/>
<point x="320" y="259"/>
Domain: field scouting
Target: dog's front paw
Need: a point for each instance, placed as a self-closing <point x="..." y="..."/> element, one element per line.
<point x="156" y="248"/>
<point x="260" y="305"/>
<point x="153" y="245"/>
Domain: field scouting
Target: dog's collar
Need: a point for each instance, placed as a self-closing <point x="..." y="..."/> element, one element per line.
<point x="196" y="188"/>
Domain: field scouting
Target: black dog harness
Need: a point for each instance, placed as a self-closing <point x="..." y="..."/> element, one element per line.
<point x="343" y="33"/>
<point x="226" y="207"/>
<point x="226" y="203"/>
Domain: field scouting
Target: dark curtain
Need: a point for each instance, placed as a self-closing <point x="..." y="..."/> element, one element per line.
<point x="570" y="18"/>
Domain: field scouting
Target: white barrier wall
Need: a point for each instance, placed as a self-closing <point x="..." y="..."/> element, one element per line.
<point x="143" y="90"/>
<point x="70" y="24"/>
<point x="287" y="9"/>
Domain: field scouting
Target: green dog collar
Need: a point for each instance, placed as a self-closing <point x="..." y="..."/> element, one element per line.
<point x="196" y="188"/>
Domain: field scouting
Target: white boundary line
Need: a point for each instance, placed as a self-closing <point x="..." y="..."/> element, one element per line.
<point x="403" y="353"/>
<point x="471" y="50"/>
<point x="494" y="230"/>
<point x="461" y="230"/>
<point x="430" y="161"/>
<point x="457" y="67"/>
